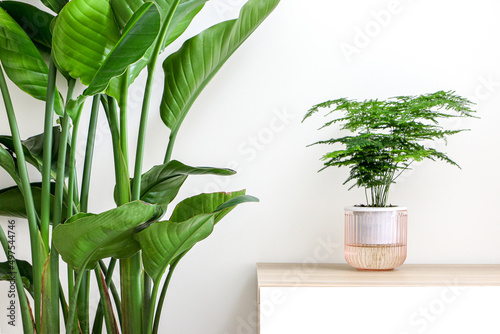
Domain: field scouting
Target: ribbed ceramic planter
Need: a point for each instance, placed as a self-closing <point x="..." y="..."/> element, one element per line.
<point x="375" y="238"/>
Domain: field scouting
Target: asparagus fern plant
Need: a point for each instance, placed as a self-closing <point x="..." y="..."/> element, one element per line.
<point x="106" y="44"/>
<point x="388" y="136"/>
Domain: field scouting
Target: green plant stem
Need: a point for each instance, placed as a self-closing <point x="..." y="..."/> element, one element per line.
<point x="72" y="186"/>
<point x="89" y="154"/>
<point x="170" y="147"/>
<point x="136" y="187"/>
<point x="147" y="286"/>
<point x="35" y="237"/>
<point x="154" y="294"/>
<point x="130" y="269"/>
<point x="64" y="305"/>
<point x="123" y="115"/>
<point x="47" y="153"/>
<point x="23" y="298"/>
<point x="61" y="160"/>
<point x="83" y="303"/>
<point x="97" y="327"/>
<point x="163" y="293"/>
<point x="109" y="282"/>
<point x="132" y="294"/>
<point x="73" y="301"/>
<point x="121" y="173"/>
<point x="71" y="281"/>
<point x="58" y="203"/>
<point x="83" y="298"/>
<point x="108" y="314"/>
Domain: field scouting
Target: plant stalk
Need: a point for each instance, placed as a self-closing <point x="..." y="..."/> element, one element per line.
<point x="47" y="153"/>
<point x="58" y="203"/>
<point x="136" y="187"/>
<point x="73" y="301"/>
<point x="154" y="294"/>
<point x="121" y="171"/>
<point x="89" y="154"/>
<point x="35" y="237"/>
<point x="108" y="273"/>
<point x="123" y="115"/>
<point x="163" y="293"/>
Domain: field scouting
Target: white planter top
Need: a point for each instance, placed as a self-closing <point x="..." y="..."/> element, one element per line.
<point x="374" y="209"/>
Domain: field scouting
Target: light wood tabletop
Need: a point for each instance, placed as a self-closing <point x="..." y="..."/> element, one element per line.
<point x="343" y="275"/>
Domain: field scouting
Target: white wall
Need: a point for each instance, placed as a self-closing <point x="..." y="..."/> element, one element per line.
<point x="249" y="117"/>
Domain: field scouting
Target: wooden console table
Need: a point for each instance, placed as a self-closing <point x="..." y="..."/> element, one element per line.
<point x="336" y="298"/>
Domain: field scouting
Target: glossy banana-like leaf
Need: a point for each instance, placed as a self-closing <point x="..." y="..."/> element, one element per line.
<point x="86" y="238"/>
<point x="55" y="5"/>
<point x="138" y="35"/>
<point x="33" y="149"/>
<point x="124" y="9"/>
<point x="220" y="203"/>
<point x="163" y="241"/>
<point x="178" y="26"/>
<point x="22" y="61"/>
<point x="84" y="33"/>
<point x="161" y="184"/>
<point x="12" y="201"/>
<point x="190" y="69"/>
<point x="35" y="22"/>
<point x="186" y="11"/>
<point x="8" y="164"/>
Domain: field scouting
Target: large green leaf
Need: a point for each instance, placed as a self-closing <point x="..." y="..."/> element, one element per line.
<point x="161" y="183"/>
<point x="138" y="35"/>
<point x="22" y="61"/>
<point x="25" y="270"/>
<point x="190" y="69"/>
<point x="33" y="149"/>
<point x="35" y="22"/>
<point x="86" y="238"/>
<point x="12" y="201"/>
<point x="8" y="164"/>
<point x="184" y="14"/>
<point x="163" y="241"/>
<point x="220" y="203"/>
<point x="55" y="5"/>
<point x="124" y="10"/>
<point x="85" y="32"/>
<point x="181" y="19"/>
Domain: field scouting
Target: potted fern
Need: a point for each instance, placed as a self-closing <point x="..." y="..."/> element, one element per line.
<point x="385" y="138"/>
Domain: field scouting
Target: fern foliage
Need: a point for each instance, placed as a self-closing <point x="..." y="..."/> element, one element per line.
<point x="387" y="136"/>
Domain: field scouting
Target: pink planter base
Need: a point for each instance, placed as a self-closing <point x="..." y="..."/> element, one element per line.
<point x="375" y="238"/>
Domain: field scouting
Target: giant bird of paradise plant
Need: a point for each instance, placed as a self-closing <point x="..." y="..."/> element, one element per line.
<point x="106" y="44"/>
